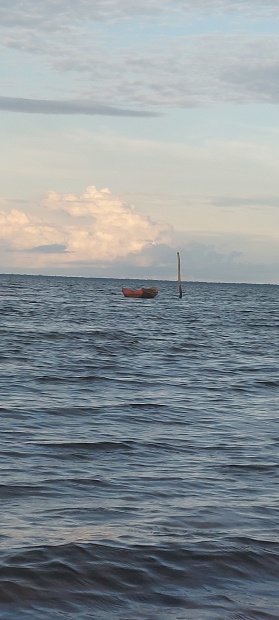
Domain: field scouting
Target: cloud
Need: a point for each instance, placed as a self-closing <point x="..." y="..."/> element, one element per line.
<point x="250" y="202"/>
<point x="206" y="262"/>
<point x="161" y="65"/>
<point x="53" y="248"/>
<point x="47" y="106"/>
<point x="111" y="228"/>
<point x="49" y="16"/>
<point x="200" y="261"/>
<point x="96" y="233"/>
<point x="22" y="231"/>
<point x="95" y="226"/>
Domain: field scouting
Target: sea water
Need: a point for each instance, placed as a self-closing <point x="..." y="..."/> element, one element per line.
<point x="139" y="451"/>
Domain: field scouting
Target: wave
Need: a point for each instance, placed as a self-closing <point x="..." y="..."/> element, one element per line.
<point x="75" y="577"/>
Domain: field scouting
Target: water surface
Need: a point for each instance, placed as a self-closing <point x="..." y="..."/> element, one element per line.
<point x="139" y="451"/>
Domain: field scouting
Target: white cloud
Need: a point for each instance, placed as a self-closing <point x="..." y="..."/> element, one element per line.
<point x="22" y="231"/>
<point x="112" y="228"/>
<point x="96" y="227"/>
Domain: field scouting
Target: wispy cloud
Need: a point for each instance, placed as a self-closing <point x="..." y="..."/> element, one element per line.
<point x="47" y="106"/>
<point x="250" y="202"/>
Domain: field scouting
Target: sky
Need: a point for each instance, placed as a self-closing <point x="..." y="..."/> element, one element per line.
<point x="132" y="130"/>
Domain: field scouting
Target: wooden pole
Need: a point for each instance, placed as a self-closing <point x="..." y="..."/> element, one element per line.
<point x="179" y="276"/>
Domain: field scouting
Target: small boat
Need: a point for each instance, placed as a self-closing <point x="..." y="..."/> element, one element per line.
<point x="141" y="293"/>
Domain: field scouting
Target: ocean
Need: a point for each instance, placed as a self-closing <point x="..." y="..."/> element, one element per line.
<point x="139" y="451"/>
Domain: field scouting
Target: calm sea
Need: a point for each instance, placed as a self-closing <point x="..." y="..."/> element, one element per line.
<point x="139" y="451"/>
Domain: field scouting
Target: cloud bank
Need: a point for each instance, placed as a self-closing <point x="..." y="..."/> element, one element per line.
<point x="97" y="234"/>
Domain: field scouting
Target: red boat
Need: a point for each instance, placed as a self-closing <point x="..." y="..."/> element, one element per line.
<point x="141" y="293"/>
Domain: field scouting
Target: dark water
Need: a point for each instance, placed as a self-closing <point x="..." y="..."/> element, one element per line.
<point x="139" y="451"/>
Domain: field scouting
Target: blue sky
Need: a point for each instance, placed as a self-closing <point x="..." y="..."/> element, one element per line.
<point x="132" y="130"/>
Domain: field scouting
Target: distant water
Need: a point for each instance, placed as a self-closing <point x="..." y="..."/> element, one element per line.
<point x="139" y="451"/>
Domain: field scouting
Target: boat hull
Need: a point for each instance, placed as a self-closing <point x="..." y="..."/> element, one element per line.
<point x="141" y="293"/>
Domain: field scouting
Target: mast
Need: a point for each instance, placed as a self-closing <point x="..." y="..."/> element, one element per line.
<point x="179" y="276"/>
